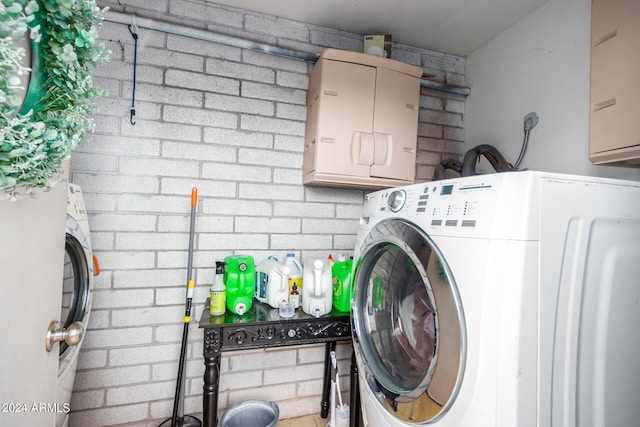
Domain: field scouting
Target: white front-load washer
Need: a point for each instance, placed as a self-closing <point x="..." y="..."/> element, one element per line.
<point x="501" y="300"/>
<point x="77" y="286"/>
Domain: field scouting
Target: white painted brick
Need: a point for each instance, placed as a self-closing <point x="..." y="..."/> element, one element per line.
<point x="237" y="70"/>
<point x="339" y="40"/>
<point x="270" y="192"/>
<point x="206" y="188"/>
<point x="309" y="388"/>
<point x="289" y="143"/>
<point x="99" y="319"/>
<point x="150" y="241"/>
<point x="121" y="222"/>
<point x="236" y="241"/>
<point x="99" y="163"/>
<point x="201" y="258"/>
<point x="147" y="278"/>
<point x="144" y="354"/>
<point x="287" y="176"/>
<point x="290" y="111"/>
<point x="345" y="242"/>
<point x="161" y="410"/>
<point x="87" y="399"/>
<point x="293" y="374"/>
<point x="169" y="333"/>
<point x="300" y="241"/>
<point x="92" y="359"/>
<point x="102" y="241"/>
<point x="230" y="172"/>
<point x="126" y="260"/>
<point x="269" y="157"/>
<point x="441" y="118"/>
<point x="273" y="225"/>
<point x="325" y="194"/>
<point x="243" y="361"/>
<point x="109" y="298"/>
<point x="295" y="80"/>
<point x="110" y="416"/>
<point x="115" y="183"/>
<point x="277" y="126"/>
<point x="153" y="129"/>
<point x="152" y="315"/>
<point x="170" y="59"/>
<point x="275" y="26"/>
<point x="311" y="354"/>
<point x="298" y="407"/>
<point x="304" y="210"/>
<point x="106" y="378"/>
<point x="173" y="296"/>
<point x="104" y="124"/>
<point x="198" y="116"/>
<point x="121" y="145"/>
<point x="169" y="95"/>
<point x="238" y="138"/>
<point x="203" y="224"/>
<point x="144" y="73"/>
<point x="207" y="13"/>
<point x="274" y="61"/>
<point x="274" y="93"/>
<point x="238" y="104"/>
<point x="273" y="393"/>
<point x="240" y="380"/>
<point x="201" y="47"/>
<point x="140" y="393"/>
<point x="203" y="82"/>
<point x="158" y="167"/>
<point x="349" y="211"/>
<point x="236" y="207"/>
<point x="335" y="226"/>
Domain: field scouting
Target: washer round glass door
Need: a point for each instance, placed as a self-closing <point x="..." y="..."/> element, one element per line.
<point x="408" y="322"/>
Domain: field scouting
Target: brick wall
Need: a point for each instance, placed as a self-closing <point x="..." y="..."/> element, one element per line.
<point x="230" y="122"/>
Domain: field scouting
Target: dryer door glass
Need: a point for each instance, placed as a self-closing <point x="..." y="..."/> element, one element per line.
<point x="408" y="321"/>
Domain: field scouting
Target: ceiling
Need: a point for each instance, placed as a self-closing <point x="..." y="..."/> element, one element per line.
<point x="451" y="26"/>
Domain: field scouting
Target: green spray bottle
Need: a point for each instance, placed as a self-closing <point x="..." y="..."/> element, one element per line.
<point x="342" y="283"/>
<point x="239" y="278"/>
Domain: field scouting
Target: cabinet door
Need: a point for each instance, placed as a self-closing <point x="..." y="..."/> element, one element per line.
<point x="345" y="119"/>
<point x="615" y="75"/>
<point x="395" y="125"/>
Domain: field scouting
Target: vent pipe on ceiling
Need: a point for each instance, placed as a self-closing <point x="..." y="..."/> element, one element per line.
<point x="202" y="34"/>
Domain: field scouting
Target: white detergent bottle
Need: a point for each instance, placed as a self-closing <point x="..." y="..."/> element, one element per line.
<point x="271" y="285"/>
<point x="295" y="279"/>
<point x="317" y="292"/>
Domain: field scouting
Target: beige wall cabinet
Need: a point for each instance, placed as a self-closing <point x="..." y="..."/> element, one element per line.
<point x="362" y="121"/>
<point x="615" y="83"/>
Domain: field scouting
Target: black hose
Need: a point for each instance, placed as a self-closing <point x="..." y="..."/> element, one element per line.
<point x="439" y="172"/>
<point x="491" y="153"/>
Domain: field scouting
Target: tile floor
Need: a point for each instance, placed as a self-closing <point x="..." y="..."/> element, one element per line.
<point x="306" y="421"/>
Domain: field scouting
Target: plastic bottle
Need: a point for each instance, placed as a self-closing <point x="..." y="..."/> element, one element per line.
<point x="217" y="303"/>
<point x="239" y="278"/>
<point x="294" y="296"/>
<point x="317" y="292"/>
<point x="295" y="276"/>
<point x="342" y="283"/>
<point x="272" y="282"/>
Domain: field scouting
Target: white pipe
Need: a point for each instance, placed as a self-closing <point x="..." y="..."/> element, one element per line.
<point x="201" y="34"/>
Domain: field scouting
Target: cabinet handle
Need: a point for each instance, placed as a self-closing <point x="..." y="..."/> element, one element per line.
<point x="603" y="38"/>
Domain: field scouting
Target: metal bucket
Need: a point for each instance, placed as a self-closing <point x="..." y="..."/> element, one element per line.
<point x="251" y="413"/>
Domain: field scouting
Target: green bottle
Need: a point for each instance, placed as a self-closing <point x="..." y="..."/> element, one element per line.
<point x="342" y="283"/>
<point x="239" y="278"/>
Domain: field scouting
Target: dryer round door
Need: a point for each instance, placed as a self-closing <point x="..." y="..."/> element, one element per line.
<point x="77" y="285"/>
<point x="408" y="322"/>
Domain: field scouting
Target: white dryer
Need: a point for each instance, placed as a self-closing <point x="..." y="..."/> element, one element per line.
<point x="500" y="300"/>
<point x="77" y="286"/>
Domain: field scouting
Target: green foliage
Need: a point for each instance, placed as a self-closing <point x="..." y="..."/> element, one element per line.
<point x="34" y="143"/>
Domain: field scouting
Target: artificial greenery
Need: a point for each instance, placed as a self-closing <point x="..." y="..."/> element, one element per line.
<point x="64" y="33"/>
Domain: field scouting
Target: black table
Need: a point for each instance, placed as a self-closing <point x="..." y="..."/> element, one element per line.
<point x="262" y="327"/>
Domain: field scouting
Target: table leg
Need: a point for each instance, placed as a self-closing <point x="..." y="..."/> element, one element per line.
<point x="210" y="390"/>
<point x="326" y="385"/>
<point x="212" y="358"/>
<point x="354" y="395"/>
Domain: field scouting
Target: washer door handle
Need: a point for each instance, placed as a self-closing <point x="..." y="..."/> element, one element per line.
<point x="56" y="333"/>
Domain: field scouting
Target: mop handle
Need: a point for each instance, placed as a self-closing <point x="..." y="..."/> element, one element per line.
<point x="190" y="282"/>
